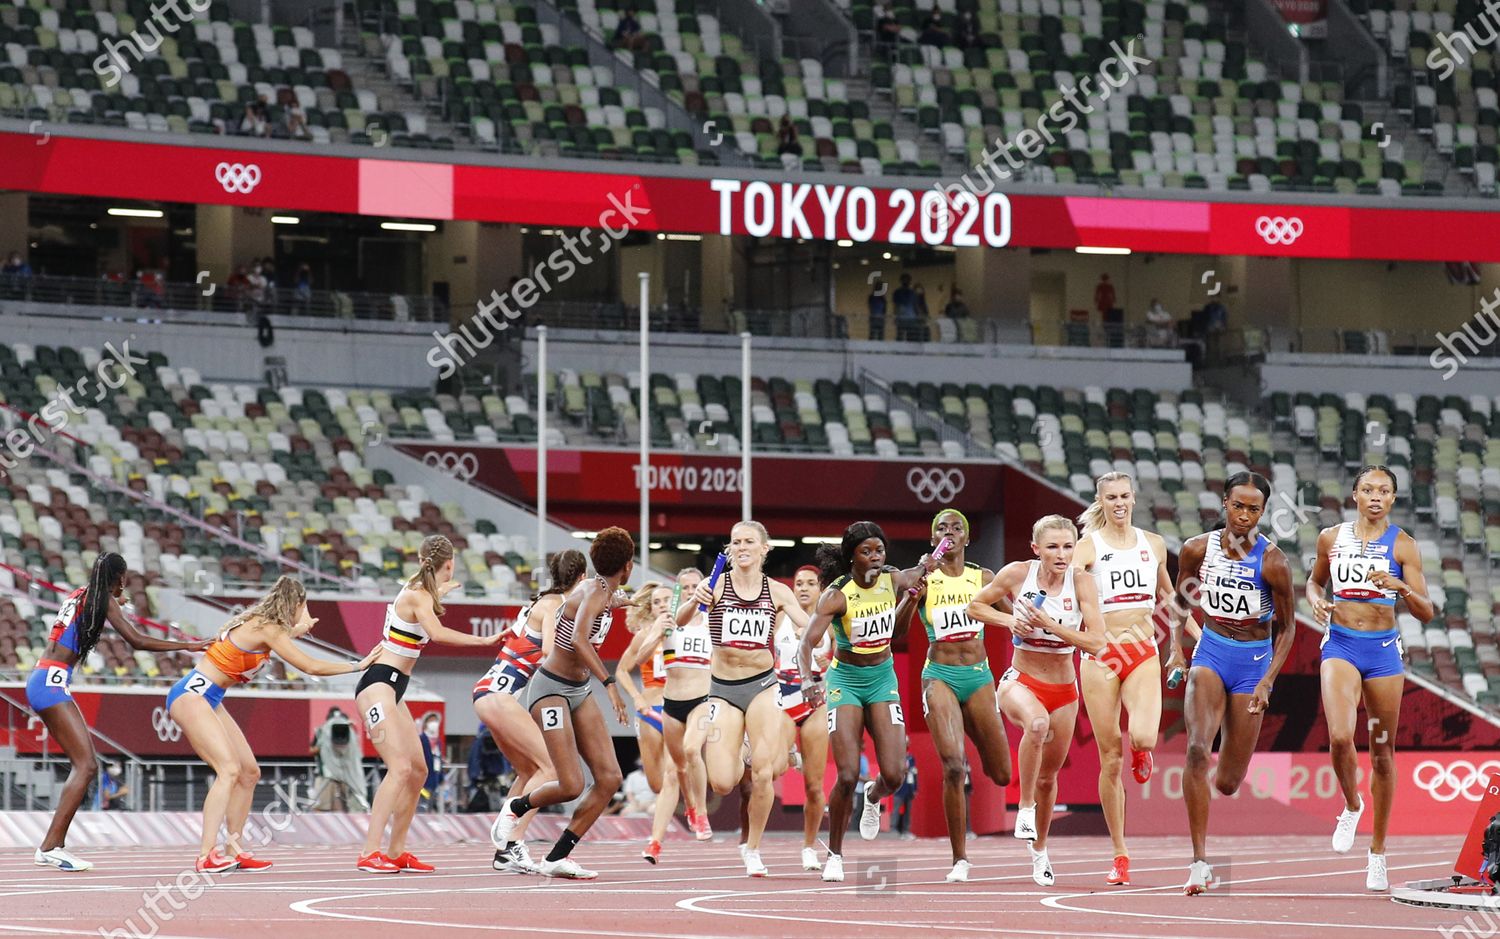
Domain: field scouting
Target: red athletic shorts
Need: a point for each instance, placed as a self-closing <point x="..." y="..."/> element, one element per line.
<point x="1051" y="696"/>
<point x="1122" y="658"/>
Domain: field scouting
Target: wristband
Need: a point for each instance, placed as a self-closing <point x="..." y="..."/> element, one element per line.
<point x="609" y="681"/>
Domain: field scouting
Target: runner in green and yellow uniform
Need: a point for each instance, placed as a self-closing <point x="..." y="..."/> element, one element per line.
<point x="958" y="688"/>
<point x="864" y="603"/>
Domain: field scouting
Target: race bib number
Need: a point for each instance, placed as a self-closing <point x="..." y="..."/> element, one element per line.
<point x="952" y="624"/>
<point x="713" y="711"/>
<point x="198" y="684"/>
<point x="500" y="679"/>
<point x="833" y="719"/>
<point x="552" y="718"/>
<point x="375" y="715"/>
<point x="897" y="718"/>
<point x="873" y="630"/>
<point x="58" y="678"/>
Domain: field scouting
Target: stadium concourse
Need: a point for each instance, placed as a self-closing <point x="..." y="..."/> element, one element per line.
<point x="1057" y="440"/>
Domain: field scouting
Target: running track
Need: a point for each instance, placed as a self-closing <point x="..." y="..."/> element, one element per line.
<point x="1277" y="887"/>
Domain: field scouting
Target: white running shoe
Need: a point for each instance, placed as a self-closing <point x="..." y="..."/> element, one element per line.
<point x="1343" y="832"/>
<point x="63" y="860"/>
<point x="515" y="861"/>
<point x="1026" y="822"/>
<point x="567" y="868"/>
<point x="753" y="865"/>
<point x="833" y="871"/>
<point x="810" y="859"/>
<point x="1375" y="876"/>
<point x="744" y="851"/>
<point x="505" y="823"/>
<point x="869" y="818"/>
<point x="959" y="874"/>
<point x="1041" y="868"/>
<point x="1200" y="878"/>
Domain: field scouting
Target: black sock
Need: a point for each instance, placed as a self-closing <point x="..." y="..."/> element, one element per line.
<point x="509" y="845"/>
<point x="564" y="846"/>
<point x="521" y="805"/>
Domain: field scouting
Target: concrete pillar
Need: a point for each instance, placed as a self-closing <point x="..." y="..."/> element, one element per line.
<point x="15" y="220"/>
<point x="229" y="236"/>
<point x="996" y="283"/>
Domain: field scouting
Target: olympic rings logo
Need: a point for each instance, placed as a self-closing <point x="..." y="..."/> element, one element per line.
<point x="167" y="730"/>
<point x="461" y="467"/>
<point x="1275" y="230"/>
<point x="237" y="177"/>
<point x="935" y="485"/>
<point x="1459" y="778"/>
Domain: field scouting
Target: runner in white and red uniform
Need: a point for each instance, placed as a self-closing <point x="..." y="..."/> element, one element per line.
<point x="808" y="730"/>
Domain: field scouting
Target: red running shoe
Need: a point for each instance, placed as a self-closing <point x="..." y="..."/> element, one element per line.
<point x="377" y="863"/>
<point x="652" y="852"/>
<point x="698" y="822"/>
<point x="215" y="863"/>
<point x="251" y="864"/>
<point x="1119" y="875"/>
<point x="1141" y="765"/>
<point x="408" y="863"/>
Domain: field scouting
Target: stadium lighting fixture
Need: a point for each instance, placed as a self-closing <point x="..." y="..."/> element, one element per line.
<point x="782" y="543"/>
<point x="655" y="546"/>
<point x="1093" y="249"/>
<point x="137" y="213"/>
<point x="285" y="220"/>
<point x="689" y="546"/>
<point x="408" y="226"/>
<point x="586" y="535"/>
<point x="822" y="540"/>
<point x="675" y="237"/>
<point x="845" y="243"/>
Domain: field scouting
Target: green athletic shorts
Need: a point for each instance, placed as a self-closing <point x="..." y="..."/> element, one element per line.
<point x="861" y="684"/>
<point x="964" y="680"/>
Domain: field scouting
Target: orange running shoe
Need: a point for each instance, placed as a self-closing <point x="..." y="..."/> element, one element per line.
<point x="698" y="822"/>
<point x="408" y="863"/>
<point x="249" y="863"/>
<point x="652" y="852"/>
<point x="377" y="863"/>
<point x="1141" y="765"/>
<point x="215" y="863"/>
<point x="1119" y="875"/>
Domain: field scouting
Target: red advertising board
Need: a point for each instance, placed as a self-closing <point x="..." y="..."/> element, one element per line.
<point x="814" y="211"/>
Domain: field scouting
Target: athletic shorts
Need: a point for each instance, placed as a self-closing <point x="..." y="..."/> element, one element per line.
<point x="861" y="685"/>
<point x="195" y="682"/>
<point x="962" y="680"/>
<point x="381" y="675"/>
<point x="652" y="718"/>
<point x="544" y="684"/>
<point x="502" y="678"/>
<point x="1054" y="696"/>
<point x="680" y="711"/>
<point x="1239" y="665"/>
<point x="1375" y="654"/>
<point x="791" y="700"/>
<point x="742" y="691"/>
<point x="48" y="684"/>
<point x="1122" y="658"/>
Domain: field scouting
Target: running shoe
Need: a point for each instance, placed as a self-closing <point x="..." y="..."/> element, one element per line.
<point x="1041" y="868"/>
<point x="698" y="822"/>
<point x="567" y="868"/>
<point x="1119" y="875"/>
<point x="869" y="818"/>
<point x="833" y="871"/>
<point x="1141" y="765"/>
<point x="1343" y="832"/>
<point x="376" y="863"/>
<point x="215" y="863"/>
<point x="1200" y="878"/>
<point x="247" y="862"/>
<point x="1026" y="822"/>
<point x="62" y="859"/>
<point x="514" y="860"/>
<point x="504" y="826"/>
<point x="408" y="863"/>
<point x="1375" y="875"/>
<point x="754" y="867"/>
<point x="744" y="849"/>
<point x="810" y="859"/>
<point x="959" y="874"/>
<point x="652" y="851"/>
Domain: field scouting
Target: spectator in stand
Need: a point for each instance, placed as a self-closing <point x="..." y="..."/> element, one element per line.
<point x="628" y="33"/>
<point x="921" y="333"/>
<point x="1104" y="296"/>
<point x="112" y="791"/>
<point x="957" y="309"/>
<point x="430" y="735"/>
<point x="268" y="271"/>
<point x="904" y="299"/>
<point x="253" y="123"/>
<point x="887" y="30"/>
<point x="788" y="145"/>
<point x="255" y="292"/>
<point x="15" y="276"/>
<point x="151" y="287"/>
<point x="1215" y="316"/>
<point x="933" y="32"/>
<point x="302" y="289"/>
<point x="1161" y="329"/>
<point x="237" y="289"/>
<point x="967" y="34"/>
<point x="876" y="303"/>
<point x="294" y="122"/>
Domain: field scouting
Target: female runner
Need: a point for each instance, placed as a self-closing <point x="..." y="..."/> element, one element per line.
<point x="958" y="692"/>
<point x="649" y="614"/>
<point x="1129" y="566"/>
<point x="808" y="730"/>
<point x="79" y="624"/>
<point x="241" y="651"/>
<point x="861" y="603"/>
<point x="411" y="621"/>
<point x="1039" y="692"/>
<point x="561" y="703"/>
<point x="1243" y="585"/>
<point x="497" y="701"/>
<point x="742" y="612"/>
<point x="1363" y="568"/>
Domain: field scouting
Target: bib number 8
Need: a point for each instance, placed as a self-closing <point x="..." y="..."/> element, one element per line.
<point x="375" y="714"/>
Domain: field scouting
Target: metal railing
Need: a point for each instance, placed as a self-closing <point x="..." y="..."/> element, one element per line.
<point x="220" y="298"/>
<point x="52" y="759"/>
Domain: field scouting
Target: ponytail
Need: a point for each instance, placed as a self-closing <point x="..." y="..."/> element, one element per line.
<point x="104" y="579"/>
<point x="566" y="569"/>
<point x="279" y="606"/>
<point x="435" y="551"/>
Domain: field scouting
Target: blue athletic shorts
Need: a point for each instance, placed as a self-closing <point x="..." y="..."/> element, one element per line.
<point x="1239" y="665"/>
<point x="48" y="685"/>
<point x="1376" y="655"/>
<point x="195" y="682"/>
<point x="652" y="717"/>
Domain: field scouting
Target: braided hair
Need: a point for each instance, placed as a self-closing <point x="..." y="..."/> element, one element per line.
<point x="436" y="550"/>
<point x="104" y="580"/>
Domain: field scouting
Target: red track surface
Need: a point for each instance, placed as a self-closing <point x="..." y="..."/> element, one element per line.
<point x="1275" y="888"/>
